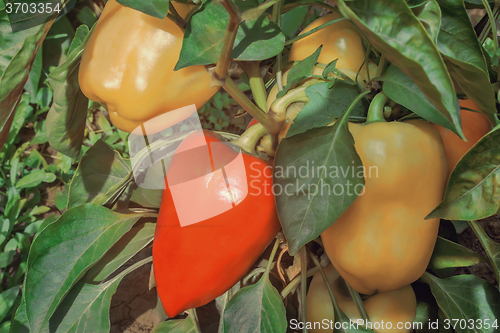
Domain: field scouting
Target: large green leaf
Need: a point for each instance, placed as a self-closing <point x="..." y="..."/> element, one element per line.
<point x="257" y="308"/>
<point x="462" y="52"/>
<point x="473" y="190"/>
<point x="101" y="174"/>
<point x="325" y="104"/>
<point x="449" y="254"/>
<point x="125" y="248"/>
<point x="491" y="248"/>
<point x="256" y="40"/>
<point x="304" y="207"/>
<point x="68" y="113"/>
<point x="62" y="253"/>
<point x="429" y="13"/>
<point x="400" y="88"/>
<point x="20" y="322"/>
<point x="187" y="325"/>
<point x="466" y="298"/>
<point x="7" y="300"/>
<point x="16" y="59"/>
<point x="84" y="309"/>
<point x="399" y="35"/>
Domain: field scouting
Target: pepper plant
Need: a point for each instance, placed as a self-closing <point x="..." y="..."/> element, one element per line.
<point x="375" y="125"/>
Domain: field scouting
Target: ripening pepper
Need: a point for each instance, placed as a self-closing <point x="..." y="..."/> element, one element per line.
<point x="128" y="66"/>
<point x="340" y="41"/>
<point x="392" y="309"/>
<point x="383" y="242"/>
<point x="195" y="263"/>
<point x="474" y="124"/>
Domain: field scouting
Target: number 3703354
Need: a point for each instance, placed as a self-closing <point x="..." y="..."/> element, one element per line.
<point x="32" y="8"/>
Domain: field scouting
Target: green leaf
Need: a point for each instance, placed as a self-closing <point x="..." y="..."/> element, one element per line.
<point x="87" y="306"/>
<point x="187" y="325"/>
<point x="20" y="323"/>
<point x="13" y="207"/>
<point x="292" y="20"/>
<point x="429" y="13"/>
<point x="257" y="308"/>
<point x="466" y="297"/>
<point x="6" y="258"/>
<point x="61" y="199"/>
<point x="423" y="316"/>
<point x="403" y="40"/>
<point x="44" y="97"/>
<point x="33" y="179"/>
<point x="473" y="190"/>
<point x="57" y="43"/>
<point x="23" y="111"/>
<point x="34" y="160"/>
<point x="35" y="75"/>
<point x="146" y="197"/>
<point x="39" y="210"/>
<point x="156" y="8"/>
<point x="464" y="58"/>
<point x="305" y="208"/>
<point x="130" y="244"/>
<point x="63" y="252"/>
<point x="325" y="105"/>
<point x="16" y="72"/>
<point x="300" y="71"/>
<point x="80" y="36"/>
<point x="400" y="88"/>
<point x="68" y="113"/>
<point x="255" y="40"/>
<point x="12" y="41"/>
<point x="101" y="174"/>
<point x="87" y="16"/>
<point x="491" y="248"/>
<point x="450" y="254"/>
<point x="7" y="299"/>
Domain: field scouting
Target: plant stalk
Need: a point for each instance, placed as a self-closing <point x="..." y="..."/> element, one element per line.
<point x="222" y="66"/>
<point x="252" y="68"/>
<point x="303" y="285"/>
<point x="376" y="109"/>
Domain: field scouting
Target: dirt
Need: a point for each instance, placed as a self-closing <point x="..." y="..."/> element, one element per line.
<point x="132" y="307"/>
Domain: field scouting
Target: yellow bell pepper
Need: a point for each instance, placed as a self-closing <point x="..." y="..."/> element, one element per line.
<point x="392" y="312"/>
<point x="382" y="242"/>
<point x="128" y="66"/>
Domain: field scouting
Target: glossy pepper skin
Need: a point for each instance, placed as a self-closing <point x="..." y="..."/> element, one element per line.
<point x="399" y="306"/>
<point x="382" y="242"/>
<point x="340" y="41"/>
<point x="196" y="263"/>
<point x="474" y="124"/>
<point x="128" y="66"/>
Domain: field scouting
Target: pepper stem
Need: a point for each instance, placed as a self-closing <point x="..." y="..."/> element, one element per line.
<point x="359" y="303"/>
<point x="257" y="85"/>
<point x="250" y="137"/>
<point x="222" y="67"/>
<point x="277" y="113"/>
<point x="376" y="109"/>
<point x="246" y="103"/>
